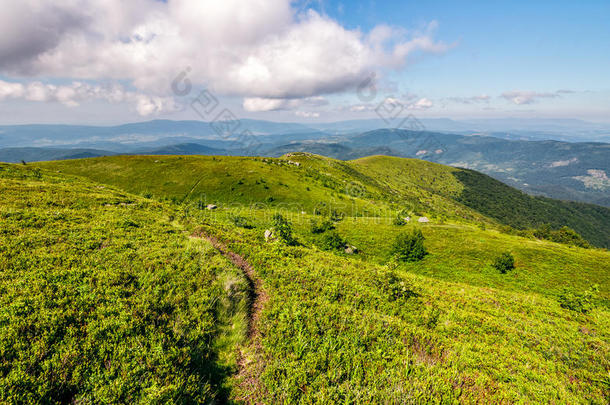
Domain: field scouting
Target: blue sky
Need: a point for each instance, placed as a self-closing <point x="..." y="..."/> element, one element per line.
<point x="485" y="59"/>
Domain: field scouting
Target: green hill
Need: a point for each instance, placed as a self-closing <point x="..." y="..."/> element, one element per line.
<point x="372" y="186"/>
<point x="112" y="290"/>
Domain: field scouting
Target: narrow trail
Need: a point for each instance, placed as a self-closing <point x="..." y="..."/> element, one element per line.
<point x="248" y="376"/>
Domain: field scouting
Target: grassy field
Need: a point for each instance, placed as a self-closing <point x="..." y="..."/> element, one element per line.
<point x="104" y="299"/>
<point x="374" y="186"/>
<point x="334" y="331"/>
<point x="147" y="314"/>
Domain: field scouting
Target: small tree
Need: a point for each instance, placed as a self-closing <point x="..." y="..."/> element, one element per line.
<point x="283" y="229"/>
<point x="409" y="246"/>
<point x="504" y="263"/>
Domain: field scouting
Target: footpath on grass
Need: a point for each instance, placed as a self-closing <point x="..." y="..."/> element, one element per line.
<point x="248" y="375"/>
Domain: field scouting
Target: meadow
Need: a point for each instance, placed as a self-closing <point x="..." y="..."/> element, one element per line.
<point x="105" y="268"/>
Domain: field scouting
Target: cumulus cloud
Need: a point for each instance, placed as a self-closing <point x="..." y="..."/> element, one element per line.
<point x="257" y="104"/>
<point x="263" y="50"/>
<point x="421" y="104"/>
<point x="74" y="94"/>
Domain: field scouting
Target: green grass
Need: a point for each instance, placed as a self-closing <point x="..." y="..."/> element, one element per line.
<point x="373" y="186"/>
<point x="337" y="328"/>
<point x="331" y="334"/>
<point x="103" y="299"/>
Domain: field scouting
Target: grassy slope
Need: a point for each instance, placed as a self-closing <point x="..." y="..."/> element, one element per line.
<point x="317" y="183"/>
<point x="104" y="300"/>
<point x="373" y="186"/>
<point x="331" y="331"/>
<point x="490" y="197"/>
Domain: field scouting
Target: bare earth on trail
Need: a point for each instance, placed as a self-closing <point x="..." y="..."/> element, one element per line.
<point x="250" y="387"/>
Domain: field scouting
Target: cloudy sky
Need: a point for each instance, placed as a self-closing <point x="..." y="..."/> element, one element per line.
<point x="112" y="61"/>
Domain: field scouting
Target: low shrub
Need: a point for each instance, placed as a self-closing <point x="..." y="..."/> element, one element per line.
<point x="578" y="301"/>
<point x="332" y="241"/>
<point x="399" y="221"/>
<point x="409" y="246"/>
<point x="393" y="287"/>
<point x="317" y="227"/>
<point x="241" y="222"/>
<point x="504" y="263"/>
<point x="283" y="229"/>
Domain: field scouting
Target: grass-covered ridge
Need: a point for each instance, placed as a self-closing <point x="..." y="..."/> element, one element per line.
<point x="371" y="186"/>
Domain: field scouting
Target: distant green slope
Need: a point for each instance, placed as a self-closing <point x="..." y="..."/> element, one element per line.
<point x="298" y="182"/>
<point x="491" y="197"/>
<point x="372" y="186"/>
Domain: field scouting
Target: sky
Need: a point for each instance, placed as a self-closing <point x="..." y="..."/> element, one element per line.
<point x="112" y="61"/>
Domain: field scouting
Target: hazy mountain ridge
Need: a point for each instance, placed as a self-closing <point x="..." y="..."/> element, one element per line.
<point x="572" y="171"/>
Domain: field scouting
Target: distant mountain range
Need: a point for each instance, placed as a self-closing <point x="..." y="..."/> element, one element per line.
<point x="522" y="153"/>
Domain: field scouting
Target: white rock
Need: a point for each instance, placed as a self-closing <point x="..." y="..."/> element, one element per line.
<point x="423" y="219"/>
<point x="269" y="235"/>
<point x="211" y="207"/>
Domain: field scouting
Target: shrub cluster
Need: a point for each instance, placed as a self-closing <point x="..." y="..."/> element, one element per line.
<point x="504" y="263"/>
<point x="283" y="229"/>
<point x="578" y="301"/>
<point x="409" y="246"/>
<point x="241" y="222"/>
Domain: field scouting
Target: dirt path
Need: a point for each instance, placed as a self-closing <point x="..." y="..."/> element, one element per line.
<point x="259" y="297"/>
<point x="248" y="374"/>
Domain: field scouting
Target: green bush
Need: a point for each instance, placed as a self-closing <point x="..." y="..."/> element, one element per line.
<point x="393" y="287"/>
<point x="283" y="229"/>
<point x="241" y="222"/>
<point x="332" y="241"/>
<point x="321" y="226"/>
<point x="504" y="263"/>
<point x="578" y="301"/>
<point x="399" y="221"/>
<point x="565" y="235"/>
<point x="409" y="246"/>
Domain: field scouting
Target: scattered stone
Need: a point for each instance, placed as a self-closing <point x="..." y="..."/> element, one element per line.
<point x="211" y="207"/>
<point x="351" y="250"/>
<point x="269" y="237"/>
<point x="407" y="219"/>
<point x="423" y="219"/>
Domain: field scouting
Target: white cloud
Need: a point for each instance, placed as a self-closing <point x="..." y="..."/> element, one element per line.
<point x="307" y="114"/>
<point x="74" y="94"/>
<point x="262" y="50"/>
<point x="257" y="104"/>
<point x="421" y="104"/>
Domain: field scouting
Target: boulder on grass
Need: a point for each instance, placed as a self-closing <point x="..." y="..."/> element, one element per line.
<point x="423" y="219"/>
<point x="211" y="207"/>
<point x="351" y="250"/>
<point x="269" y="237"/>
